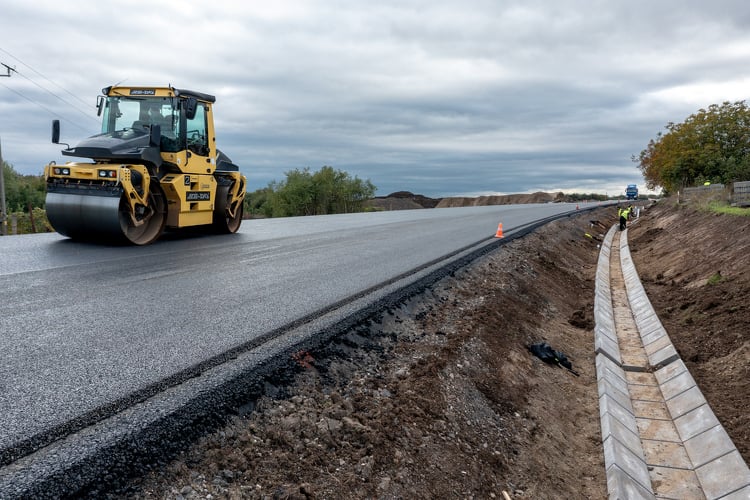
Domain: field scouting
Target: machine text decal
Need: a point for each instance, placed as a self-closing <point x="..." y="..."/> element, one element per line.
<point x="198" y="196"/>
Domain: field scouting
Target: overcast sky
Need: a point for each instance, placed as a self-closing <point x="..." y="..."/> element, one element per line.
<point x="436" y="97"/>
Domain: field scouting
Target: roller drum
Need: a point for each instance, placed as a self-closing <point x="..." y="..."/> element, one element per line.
<point x="88" y="217"/>
<point x="105" y="216"/>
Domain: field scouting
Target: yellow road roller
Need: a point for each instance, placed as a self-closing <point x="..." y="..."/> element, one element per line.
<point x="155" y="166"/>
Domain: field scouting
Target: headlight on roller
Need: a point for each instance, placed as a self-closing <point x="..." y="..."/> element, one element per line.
<point x="107" y="174"/>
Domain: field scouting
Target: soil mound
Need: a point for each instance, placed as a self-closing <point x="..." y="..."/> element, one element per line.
<point x="508" y="199"/>
<point x="403" y="200"/>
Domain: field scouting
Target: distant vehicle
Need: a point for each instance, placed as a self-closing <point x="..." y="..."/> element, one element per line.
<point x="631" y="192"/>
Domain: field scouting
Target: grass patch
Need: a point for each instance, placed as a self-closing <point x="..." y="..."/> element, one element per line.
<point x="725" y="209"/>
<point x="715" y="279"/>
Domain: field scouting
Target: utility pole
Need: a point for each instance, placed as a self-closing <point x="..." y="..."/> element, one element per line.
<point x="3" y="211"/>
<point x="8" y="68"/>
<point x="3" y="206"/>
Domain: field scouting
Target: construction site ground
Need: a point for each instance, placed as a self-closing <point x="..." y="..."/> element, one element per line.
<point x="441" y="398"/>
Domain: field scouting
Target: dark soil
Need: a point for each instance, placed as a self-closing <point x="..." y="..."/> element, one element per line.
<point x="442" y="399"/>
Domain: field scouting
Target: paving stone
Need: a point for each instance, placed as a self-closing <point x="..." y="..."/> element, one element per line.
<point x="651" y="409"/>
<point x="661" y="430"/>
<point x="645" y="393"/>
<point x="666" y="454"/>
<point x="686" y="402"/>
<point x="640" y="378"/>
<point x="670" y="371"/>
<point x="617" y="455"/>
<point x="677" y="484"/>
<point x="695" y="422"/>
<point x="723" y="475"/>
<point x="709" y="445"/>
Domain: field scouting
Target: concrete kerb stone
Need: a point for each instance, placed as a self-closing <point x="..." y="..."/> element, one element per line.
<point x="607" y="347"/>
<point x="653" y="333"/>
<point x="614" y="391"/>
<point x="605" y="337"/>
<point x="621" y="486"/>
<point x="618" y="456"/>
<point x="677" y="385"/>
<point x="614" y="429"/>
<point x="608" y="370"/>
<point x="659" y="343"/>
<point x="708" y="446"/>
<point x="695" y="422"/>
<point x="663" y="356"/>
<point x="741" y="494"/>
<point x="724" y="476"/>
<point x="686" y="402"/>
<point x="668" y="372"/>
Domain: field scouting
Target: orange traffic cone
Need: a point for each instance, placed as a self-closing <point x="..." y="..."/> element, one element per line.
<point x="499" y="233"/>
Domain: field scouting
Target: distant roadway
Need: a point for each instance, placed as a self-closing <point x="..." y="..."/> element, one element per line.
<point x="88" y="330"/>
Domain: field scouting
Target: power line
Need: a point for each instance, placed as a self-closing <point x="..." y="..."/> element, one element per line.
<point x="46" y="78"/>
<point x="86" y="114"/>
<point x="44" y="107"/>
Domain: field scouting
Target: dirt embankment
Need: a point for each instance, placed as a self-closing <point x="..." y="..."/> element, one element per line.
<point x="404" y="200"/>
<point x="508" y="199"/>
<point x="441" y="398"/>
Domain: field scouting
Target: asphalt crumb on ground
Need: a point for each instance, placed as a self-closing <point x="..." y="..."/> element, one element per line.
<point x="441" y="397"/>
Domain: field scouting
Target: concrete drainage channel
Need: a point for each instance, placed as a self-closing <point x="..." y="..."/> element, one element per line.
<point x="661" y="439"/>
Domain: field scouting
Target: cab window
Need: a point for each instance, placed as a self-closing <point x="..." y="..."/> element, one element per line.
<point x="197" y="132"/>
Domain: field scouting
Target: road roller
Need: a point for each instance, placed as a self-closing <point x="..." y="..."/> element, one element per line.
<point x="153" y="167"/>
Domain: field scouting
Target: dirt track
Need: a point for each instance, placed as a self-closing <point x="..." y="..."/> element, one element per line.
<point x="441" y="398"/>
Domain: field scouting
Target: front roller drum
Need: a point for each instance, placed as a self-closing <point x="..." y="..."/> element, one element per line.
<point x="106" y="219"/>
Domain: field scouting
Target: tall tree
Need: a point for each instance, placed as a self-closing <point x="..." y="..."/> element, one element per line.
<point x="710" y="145"/>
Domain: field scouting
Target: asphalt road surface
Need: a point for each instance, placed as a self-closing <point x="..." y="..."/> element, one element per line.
<point x="84" y="325"/>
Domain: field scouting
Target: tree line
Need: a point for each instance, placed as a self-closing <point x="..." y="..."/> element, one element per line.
<point x="711" y="145"/>
<point x="327" y="191"/>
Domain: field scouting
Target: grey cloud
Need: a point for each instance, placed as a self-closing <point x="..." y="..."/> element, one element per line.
<point x="439" y="97"/>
